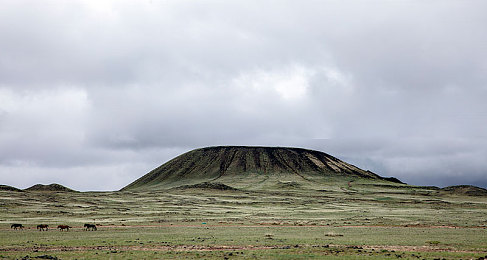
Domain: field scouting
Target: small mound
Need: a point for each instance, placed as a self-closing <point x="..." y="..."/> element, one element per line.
<point x="50" y="187"/>
<point x="8" y="188"/>
<point x="468" y="190"/>
<point x="208" y="185"/>
<point x="288" y="184"/>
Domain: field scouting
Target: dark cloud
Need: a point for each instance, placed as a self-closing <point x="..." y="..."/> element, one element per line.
<point x="110" y="90"/>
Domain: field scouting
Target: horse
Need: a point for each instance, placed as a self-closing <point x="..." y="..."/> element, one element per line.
<point x="63" y="227"/>
<point x="90" y="226"/>
<point x="15" y="226"/>
<point x="43" y="227"/>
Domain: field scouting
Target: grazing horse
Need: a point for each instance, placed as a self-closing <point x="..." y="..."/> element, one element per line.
<point x="90" y="226"/>
<point x="43" y="227"/>
<point x="63" y="227"/>
<point x="15" y="226"/>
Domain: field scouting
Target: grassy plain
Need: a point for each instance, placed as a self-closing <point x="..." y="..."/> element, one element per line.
<point x="266" y="217"/>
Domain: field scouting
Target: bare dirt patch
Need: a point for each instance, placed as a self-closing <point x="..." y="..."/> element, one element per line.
<point x="134" y="248"/>
<point x="187" y="248"/>
<point x="419" y="249"/>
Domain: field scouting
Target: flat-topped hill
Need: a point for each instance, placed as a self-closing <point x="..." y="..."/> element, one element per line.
<point x="50" y="187"/>
<point x="235" y="163"/>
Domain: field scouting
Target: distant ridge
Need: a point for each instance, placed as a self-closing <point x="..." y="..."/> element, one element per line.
<point x="9" y="188"/>
<point x="468" y="190"/>
<point x="50" y="187"/>
<point x="212" y="163"/>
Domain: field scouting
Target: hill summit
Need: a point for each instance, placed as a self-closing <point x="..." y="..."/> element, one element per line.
<point x="235" y="163"/>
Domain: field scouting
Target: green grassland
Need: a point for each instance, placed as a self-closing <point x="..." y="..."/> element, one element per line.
<point x="265" y="216"/>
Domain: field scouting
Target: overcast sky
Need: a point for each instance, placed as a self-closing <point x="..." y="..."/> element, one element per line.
<point x="94" y="94"/>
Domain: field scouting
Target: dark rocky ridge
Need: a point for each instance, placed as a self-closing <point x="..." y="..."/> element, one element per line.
<point x="212" y="163"/>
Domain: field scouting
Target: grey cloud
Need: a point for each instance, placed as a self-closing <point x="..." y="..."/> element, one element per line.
<point x="95" y="87"/>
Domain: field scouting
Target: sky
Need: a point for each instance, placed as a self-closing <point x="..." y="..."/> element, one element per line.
<point x="94" y="94"/>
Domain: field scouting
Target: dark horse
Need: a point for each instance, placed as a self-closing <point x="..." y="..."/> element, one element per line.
<point x="43" y="227"/>
<point x="15" y="226"/>
<point x="63" y="227"/>
<point x="90" y="226"/>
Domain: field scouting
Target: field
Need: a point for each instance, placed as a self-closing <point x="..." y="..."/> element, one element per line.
<point x="261" y="218"/>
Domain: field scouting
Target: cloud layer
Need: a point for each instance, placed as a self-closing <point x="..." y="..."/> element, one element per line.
<point x="108" y="90"/>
